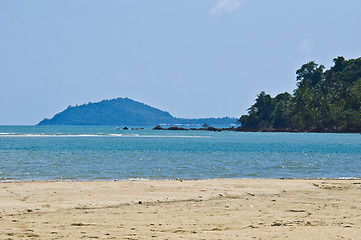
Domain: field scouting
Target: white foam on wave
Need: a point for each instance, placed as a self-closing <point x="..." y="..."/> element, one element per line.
<point x="163" y="136"/>
<point x="349" y="178"/>
<point x="136" y="179"/>
<point x="172" y="136"/>
<point x="51" y="135"/>
<point x="99" y="135"/>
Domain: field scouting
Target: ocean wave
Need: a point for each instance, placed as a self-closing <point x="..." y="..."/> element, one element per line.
<point x="136" y="179"/>
<point x="165" y="136"/>
<point x="99" y="135"/>
<point x="51" y="135"/>
<point x="349" y="178"/>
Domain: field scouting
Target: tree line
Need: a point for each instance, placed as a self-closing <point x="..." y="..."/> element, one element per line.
<point x="324" y="101"/>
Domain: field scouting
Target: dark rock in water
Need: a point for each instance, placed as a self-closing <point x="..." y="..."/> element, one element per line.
<point x="176" y="128"/>
<point x="242" y="129"/>
<point x="158" y="128"/>
<point x="125" y="128"/>
<point x="213" y="129"/>
<point x="173" y="128"/>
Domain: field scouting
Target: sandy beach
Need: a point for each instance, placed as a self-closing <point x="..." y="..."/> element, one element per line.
<point x="181" y="209"/>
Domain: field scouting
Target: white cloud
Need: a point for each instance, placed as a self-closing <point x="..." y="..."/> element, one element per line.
<point x="224" y="6"/>
<point x="306" y="45"/>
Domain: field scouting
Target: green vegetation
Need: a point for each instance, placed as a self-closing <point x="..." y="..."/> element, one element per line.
<point x="120" y="111"/>
<point x="324" y="101"/>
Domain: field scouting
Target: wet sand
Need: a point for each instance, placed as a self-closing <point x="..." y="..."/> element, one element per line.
<point x="199" y="209"/>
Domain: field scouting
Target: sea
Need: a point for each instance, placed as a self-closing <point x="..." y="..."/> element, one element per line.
<point x="82" y="153"/>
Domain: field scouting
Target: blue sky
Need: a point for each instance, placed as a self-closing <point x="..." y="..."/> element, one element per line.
<point x="190" y="58"/>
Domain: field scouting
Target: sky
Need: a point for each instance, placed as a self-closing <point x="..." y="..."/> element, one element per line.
<point x="204" y="58"/>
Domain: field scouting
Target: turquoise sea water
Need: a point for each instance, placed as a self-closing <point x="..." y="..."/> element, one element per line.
<point x="104" y="153"/>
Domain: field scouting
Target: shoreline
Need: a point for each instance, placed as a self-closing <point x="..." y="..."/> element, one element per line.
<point x="179" y="208"/>
<point x="267" y="130"/>
<point x="176" y="179"/>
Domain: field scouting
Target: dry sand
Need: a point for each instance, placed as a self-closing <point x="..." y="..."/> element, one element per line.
<point x="200" y="209"/>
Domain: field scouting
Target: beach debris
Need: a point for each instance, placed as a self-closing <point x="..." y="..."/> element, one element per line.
<point x="81" y="224"/>
<point x="276" y="224"/>
<point x="32" y="235"/>
<point x="251" y="226"/>
<point x="296" y="211"/>
<point x="216" y="229"/>
<point x="140" y="202"/>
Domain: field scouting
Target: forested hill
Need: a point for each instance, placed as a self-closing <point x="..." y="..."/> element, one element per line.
<point x="120" y="111"/>
<point x="123" y="112"/>
<point x="324" y="101"/>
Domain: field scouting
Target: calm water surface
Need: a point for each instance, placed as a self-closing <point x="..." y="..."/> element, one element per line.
<point x="94" y="153"/>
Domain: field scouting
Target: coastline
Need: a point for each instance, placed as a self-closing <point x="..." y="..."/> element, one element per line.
<point x="191" y="209"/>
<point x="242" y="129"/>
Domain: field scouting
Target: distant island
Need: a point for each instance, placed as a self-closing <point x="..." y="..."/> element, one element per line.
<point x="124" y="112"/>
<point x="324" y="101"/>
